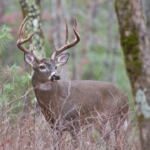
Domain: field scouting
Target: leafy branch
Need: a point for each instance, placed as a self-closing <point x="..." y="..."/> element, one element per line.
<point x="4" y="36"/>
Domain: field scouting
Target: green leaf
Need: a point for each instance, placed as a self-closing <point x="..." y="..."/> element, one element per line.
<point x="4" y="36"/>
<point x="26" y="78"/>
<point x="13" y="70"/>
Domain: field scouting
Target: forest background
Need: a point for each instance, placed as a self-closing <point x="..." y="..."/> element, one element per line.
<point x="98" y="56"/>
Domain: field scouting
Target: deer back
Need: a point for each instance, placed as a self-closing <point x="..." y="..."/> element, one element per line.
<point x="68" y="99"/>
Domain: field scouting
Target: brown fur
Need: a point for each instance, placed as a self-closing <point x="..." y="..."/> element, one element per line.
<point x="87" y="98"/>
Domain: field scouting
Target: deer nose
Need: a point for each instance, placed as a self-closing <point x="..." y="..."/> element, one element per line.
<point x="56" y="76"/>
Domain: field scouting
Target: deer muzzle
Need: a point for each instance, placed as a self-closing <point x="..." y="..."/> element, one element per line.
<point x="55" y="76"/>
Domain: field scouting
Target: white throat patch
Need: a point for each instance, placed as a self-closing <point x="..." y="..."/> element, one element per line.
<point x="45" y="86"/>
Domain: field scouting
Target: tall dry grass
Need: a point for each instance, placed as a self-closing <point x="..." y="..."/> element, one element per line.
<point x="33" y="132"/>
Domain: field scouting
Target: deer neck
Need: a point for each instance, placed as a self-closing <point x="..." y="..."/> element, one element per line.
<point x="50" y="90"/>
<point x="43" y="86"/>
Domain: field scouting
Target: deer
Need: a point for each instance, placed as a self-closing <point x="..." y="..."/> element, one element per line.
<point x="77" y="102"/>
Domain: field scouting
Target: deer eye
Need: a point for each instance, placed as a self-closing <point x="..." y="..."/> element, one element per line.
<point x="42" y="67"/>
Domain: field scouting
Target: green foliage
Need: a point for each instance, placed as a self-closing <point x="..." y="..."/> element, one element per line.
<point x="4" y="36"/>
<point x="26" y="78"/>
<point x="12" y="88"/>
<point x="13" y="70"/>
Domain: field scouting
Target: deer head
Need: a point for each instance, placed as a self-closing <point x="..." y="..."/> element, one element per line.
<point x="46" y="68"/>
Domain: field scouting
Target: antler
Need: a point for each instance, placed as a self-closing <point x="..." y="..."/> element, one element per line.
<point x="20" y="40"/>
<point x="67" y="44"/>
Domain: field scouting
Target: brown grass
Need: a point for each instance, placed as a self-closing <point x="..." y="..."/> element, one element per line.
<point x="33" y="132"/>
<point x="19" y="131"/>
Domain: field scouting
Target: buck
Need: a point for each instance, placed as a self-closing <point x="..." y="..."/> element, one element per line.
<point x="77" y="102"/>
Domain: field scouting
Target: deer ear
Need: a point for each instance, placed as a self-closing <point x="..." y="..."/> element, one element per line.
<point x="30" y="60"/>
<point x="62" y="59"/>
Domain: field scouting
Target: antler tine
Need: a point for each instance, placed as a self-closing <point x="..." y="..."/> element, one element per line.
<point x="67" y="32"/>
<point x="20" y="40"/>
<point x="67" y="44"/>
<point x="75" y="23"/>
<point x="23" y="30"/>
<point x="20" y="28"/>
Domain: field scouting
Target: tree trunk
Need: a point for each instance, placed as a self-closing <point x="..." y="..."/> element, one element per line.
<point x="135" y="45"/>
<point x="31" y="10"/>
<point x="147" y="15"/>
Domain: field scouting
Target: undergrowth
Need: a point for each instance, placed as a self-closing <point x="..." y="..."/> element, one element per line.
<point x="19" y="131"/>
